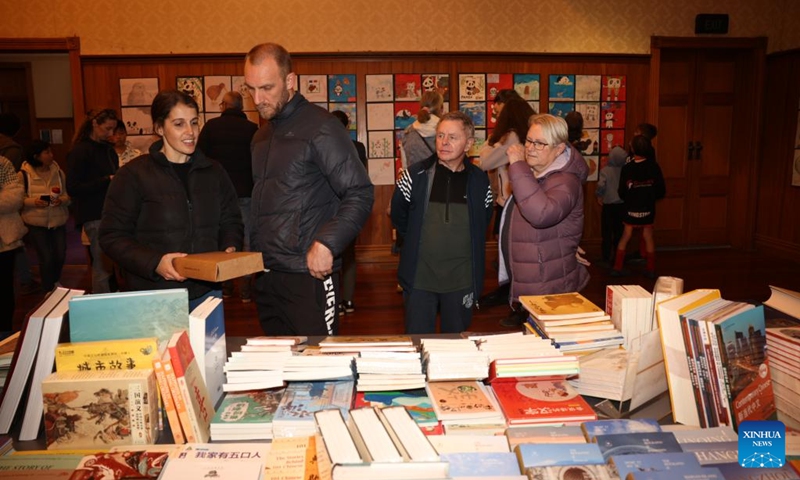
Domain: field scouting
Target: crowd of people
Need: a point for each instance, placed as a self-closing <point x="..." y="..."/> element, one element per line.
<point x="297" y="191"/>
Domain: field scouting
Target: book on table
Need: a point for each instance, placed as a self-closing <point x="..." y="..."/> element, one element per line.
<point x="168" y="401"/>
<point x="207" y="336"/>
<point x="221" y="461"/>
<point x="541" y="401"/>
<point x="461" y="400"/>
<point x="561" y="306"/>
<point x="784" y="300"/>
<point x="191" y="386"/>
<point x="246" y="415"/>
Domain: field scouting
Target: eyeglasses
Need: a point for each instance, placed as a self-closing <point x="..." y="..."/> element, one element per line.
<point x="537" y="145"/>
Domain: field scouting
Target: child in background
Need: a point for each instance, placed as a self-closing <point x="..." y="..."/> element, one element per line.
<point x="613" y="207"/>
<point x="641" y="184"/>
<point x="649" y="131"/>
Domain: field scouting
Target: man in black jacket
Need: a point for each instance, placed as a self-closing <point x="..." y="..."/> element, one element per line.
<point x="226" y="139"/>
<point x="311" y="196"/>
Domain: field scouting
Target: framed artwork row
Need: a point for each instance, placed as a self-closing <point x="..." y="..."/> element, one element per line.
<point x="332" y="92"/>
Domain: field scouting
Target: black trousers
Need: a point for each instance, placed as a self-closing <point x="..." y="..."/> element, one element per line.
<point x="7" y="290"/>
<point x="611" y="228"/>
<point x="422" y="306"/>
<point x="297" y="303"/>
<point x="51" y="249"/>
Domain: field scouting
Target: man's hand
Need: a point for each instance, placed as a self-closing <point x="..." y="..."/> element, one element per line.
<point x="319" y="260"/>
<point x="230" y="249"/>
<point x="167" y="270"/>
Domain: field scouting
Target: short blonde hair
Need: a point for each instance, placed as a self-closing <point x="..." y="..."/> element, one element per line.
<point x="554" y="128"/>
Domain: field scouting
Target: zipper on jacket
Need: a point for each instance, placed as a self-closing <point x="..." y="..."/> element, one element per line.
<point x="191" y="224"/>
<point x="447" y="202"/>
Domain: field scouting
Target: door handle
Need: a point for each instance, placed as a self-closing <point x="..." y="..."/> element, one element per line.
<point x="691" y="150"/>
<point x="698" y="151"/>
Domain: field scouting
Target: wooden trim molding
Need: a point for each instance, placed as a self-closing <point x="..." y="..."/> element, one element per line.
<point x="781" y="248"/>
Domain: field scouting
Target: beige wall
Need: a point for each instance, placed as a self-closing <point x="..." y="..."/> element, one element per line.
<point x="563" y="26"/>
<point x="53" y="99"/>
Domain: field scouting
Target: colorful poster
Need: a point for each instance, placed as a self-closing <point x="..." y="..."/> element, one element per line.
<point x="380" y="145"/>
<point x="349" y="109"/>
<point x="342" y="88"/>
<point x="613" y="88"/>
<point x="562" y="88"/>
<point x="471" y="87"/>
<point x="476" y="111"/>
<point x="527" y="85"/>
<point x="496" y="82"/>
<point x="314" y="87"/>
<point x="380" y="88"/>
<point x="407" y="87"/>
<point x="613" y="114"/>
<point x="590" y="112"/>
<point x="405" y="113"/>
<point x="216" y="86"/>
<point x="587" y="88"/>
<point x="192" y="86"/>
<point x="594" y="171"/>
<point x="589" y="144"/>
<point x="610" y="139"/>
<point x="436" y="82"/>
<point x="137" y="120"/>
<point x="237" y="85"/>
<point x="560" y="109"/>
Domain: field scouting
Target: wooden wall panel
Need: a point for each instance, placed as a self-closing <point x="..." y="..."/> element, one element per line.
<point x="101" y="89"/>
<point x="777" y="227"/>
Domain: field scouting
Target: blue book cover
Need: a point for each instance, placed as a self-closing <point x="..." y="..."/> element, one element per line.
<point x="630" y="443"/>
<point x="544" y="455"/>
<point x="734" y="471"/>
<point x="713" y="453"/>
<point x="481" y="464"/>
<point x="699" y="473"/>
<point x="607" y="427"/>
<point x="114" y="316"/>
<point x="207" y="336"/>
<point x="652" y="462"/>
<point x="302" y="399"/>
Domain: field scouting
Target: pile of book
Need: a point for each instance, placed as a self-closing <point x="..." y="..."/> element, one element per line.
<point x="783" y="352"/>
<point x="453" y="359"/>
<point x="390" y="343"/>
<point x="514" y="345"/>
<point x="631" y="310"/>
<point x="571" y="321"/>
<point x="380" y="371"/>
<point x="295" y="413"/>
<point x="607" y="373"/>
<point x="466" y="406"/>
<point x="416" y="402"/>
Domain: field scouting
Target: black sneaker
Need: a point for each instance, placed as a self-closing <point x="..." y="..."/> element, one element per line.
<point x="516" y="318"/>
<point x="341" y="309"/>
<point x="349" y="307"/>
<point x="496" y="297"/>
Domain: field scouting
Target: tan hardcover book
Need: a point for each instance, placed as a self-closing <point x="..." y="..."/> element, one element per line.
<point x="560" y="306"/>
<point x="219" y="266"/>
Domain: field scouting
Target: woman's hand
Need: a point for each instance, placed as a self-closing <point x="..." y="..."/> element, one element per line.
<point x="167" y="270"/>
<point x="230" y="249"/>
<point x="515" y="153"/>
<point x="41" y="203"/>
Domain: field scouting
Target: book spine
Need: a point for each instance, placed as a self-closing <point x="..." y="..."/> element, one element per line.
<point x="710" y="401"/>
<point x="723" y="355"/>
<point x="180" y="405"/>
<point x="694" y="373"/>
<point x="712" y="356"/>
<point x="169" y="402"/>
<point x="140" y="431"/>
<point x="186" y="393"/>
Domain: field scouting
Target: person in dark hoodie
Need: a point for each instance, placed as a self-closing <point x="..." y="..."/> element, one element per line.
<point x="169" y="203"/>
<point x="613" y="206"/>
<point x="543" y="220"/>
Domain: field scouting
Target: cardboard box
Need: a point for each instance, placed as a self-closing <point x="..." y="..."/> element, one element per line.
<point x="219" y="266"/>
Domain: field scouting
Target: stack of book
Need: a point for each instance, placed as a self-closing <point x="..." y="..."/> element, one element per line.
<point x="631" y="310"/>
<point x="251" y="370"/>
<point x="246" y="415"/>
<point x="295" y="414"/>
<point x="541" y="401"/>
<point x="607" y="373"/>
<point x="466" y="406"/>
<point x="783" y="352"/>
<point x="571" y="321"/>
<point x="379" y="371"/>
<point x="310" y="368"/>
<point x="453" y="359"/>
<point x="711" y="446"/>
<point x="275" y="344"/>
<point x="514" y="345"/>
<point x="355" y="344"/>
<point x="527" y="368"/>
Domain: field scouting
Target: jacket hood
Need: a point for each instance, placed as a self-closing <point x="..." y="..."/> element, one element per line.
<point x="570" y="161"/>
<point x="426" y="129"/>
<point x="31" y="170"/>
<point x="617" y="157"/>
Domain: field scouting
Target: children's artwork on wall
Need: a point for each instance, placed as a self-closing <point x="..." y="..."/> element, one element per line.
<point x="480" y="141"/>
<point x="342" y="88"/>
<point x="216" y="86"/>
<point x="587" y="88"/>
<point x="137" y="120"/>
<point x="380" y="116"/>
<point x="594" y="170"/>
<point x="562" y="88"/>
<point x="380" y="88"/>
<point x="534" y="105"/>
<point x="237" y="85"/>
<point x="436" y="82"/>
<point x="527" y="85"/>
<point x="496" y="82"/>
<point x="610" y="139"/>
<point x="589" y="144"/>
<point x="612" y="114"/>
<point x="471" y="87"/>
<point x="381" y="171"/>
<point x="560" y="109"/>
<point x="349" y="109"/>
<point x="613" y="89"/>
<point x="314" y="87"/>
<point x="380" y="145"/>
<point x="407" y="87"/>
<point x="137" y="91"/>
<point x="476" y="111"/>
<point x="192" y="86"/>
<point x="590" y="113"/>
<point x="142" y="142"/>
<point x="405" y="113"/>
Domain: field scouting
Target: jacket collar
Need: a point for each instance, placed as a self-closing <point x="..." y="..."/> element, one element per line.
<point x="198" y="159"/>
<point x="297" y="101"/>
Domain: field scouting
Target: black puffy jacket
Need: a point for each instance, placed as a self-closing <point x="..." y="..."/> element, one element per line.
<point x="147" y="214"/>
<point x="308" y="185"/>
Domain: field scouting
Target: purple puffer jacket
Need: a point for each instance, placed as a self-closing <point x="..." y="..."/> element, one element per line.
<point x="546" y="227"/>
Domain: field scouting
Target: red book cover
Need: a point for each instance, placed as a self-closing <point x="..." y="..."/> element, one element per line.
<point x="539" y="401"/>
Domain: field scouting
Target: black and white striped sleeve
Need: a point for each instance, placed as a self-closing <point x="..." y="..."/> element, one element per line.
<point x="404" y="185"/>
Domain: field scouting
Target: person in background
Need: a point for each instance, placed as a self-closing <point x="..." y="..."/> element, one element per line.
<point x="613" y="211"/>
<point x="45" y="210"/>
<point x="91" y="165"/>
<point x="641" y="184"/>
<point x="574" y="121"/>
<point x="649" y="131"/>
<point x="512" y="124"/>
<point x="349" y="253"/>
<point x="500" y="100"/>
<point x="122" y="146"/>
<point x="227" y="139"/>
<point x="419" y="139"/>
<point x="168" y="203"/>
<point x="543" y="220"/>
<point x="12" y="229"/>
<point x="311" y="197"/>
<point x="442" y="207"/>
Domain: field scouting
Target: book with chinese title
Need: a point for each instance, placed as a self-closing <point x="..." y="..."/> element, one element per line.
<point x="542" y="401"/>
<point x="192" y="388"/>
<point x="132" y="354"/>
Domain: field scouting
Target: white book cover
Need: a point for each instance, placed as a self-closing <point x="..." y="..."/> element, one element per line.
<point x="220" y="461"/>
<point x="207" y="337"/>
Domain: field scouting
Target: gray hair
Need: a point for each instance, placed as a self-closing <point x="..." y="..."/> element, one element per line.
<point x="463" y="119"/>
<point x="554" y="128"/>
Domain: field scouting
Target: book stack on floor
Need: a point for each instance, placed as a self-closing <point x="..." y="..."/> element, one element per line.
<point x="380" y="371"/>
<point x="246" y="415"/>
<point x="453" y="359"/>
<point x="631" y="310"/>
<point x="783" y="352"/>
<point x="714" y="351"/>
<point x="571" y="321"/>
<point x="466" y="406"/>
<point x="295" y="414"/>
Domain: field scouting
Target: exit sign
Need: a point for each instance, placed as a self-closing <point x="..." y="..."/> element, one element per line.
<point x="716" y="23"/>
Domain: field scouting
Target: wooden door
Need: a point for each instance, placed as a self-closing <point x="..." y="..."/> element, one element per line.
<point x="16" y="97"/>
<point x="697" y="112"/>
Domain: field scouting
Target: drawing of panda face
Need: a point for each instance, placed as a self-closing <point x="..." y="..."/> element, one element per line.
<point x="428" y="84"/>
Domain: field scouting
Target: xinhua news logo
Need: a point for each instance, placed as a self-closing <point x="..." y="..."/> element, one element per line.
<point x="762" y="444"/>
